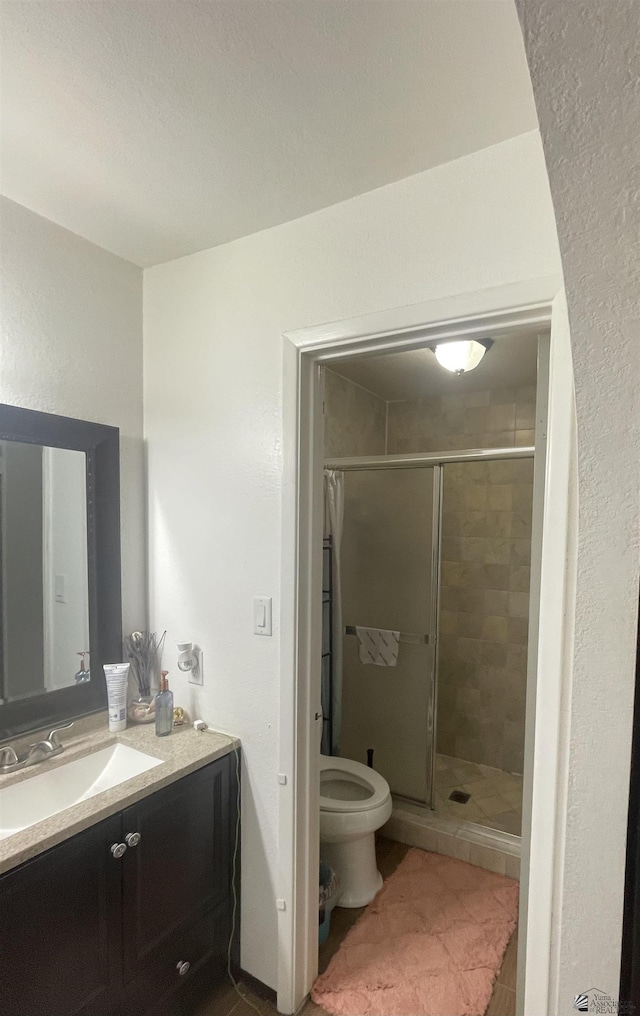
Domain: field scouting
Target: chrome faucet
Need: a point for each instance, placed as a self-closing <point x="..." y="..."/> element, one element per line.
<point x="10" y="761"/>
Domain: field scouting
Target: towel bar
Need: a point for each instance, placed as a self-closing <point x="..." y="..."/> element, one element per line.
<point x="405" y="636"/>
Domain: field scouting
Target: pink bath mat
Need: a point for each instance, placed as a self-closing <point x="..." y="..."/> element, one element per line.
<point x="430" y="944"/>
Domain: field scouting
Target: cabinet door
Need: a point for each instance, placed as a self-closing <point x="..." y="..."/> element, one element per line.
<point x="180" y="870"/>
<point x="60" y="928"/>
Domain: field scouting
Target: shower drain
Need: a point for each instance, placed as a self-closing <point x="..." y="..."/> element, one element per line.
<point x="459" y="796"/>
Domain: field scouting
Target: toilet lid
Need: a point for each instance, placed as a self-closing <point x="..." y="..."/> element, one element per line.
<point x="348" y="786"/>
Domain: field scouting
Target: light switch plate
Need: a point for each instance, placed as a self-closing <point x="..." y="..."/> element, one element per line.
<point x="262" y="616"/>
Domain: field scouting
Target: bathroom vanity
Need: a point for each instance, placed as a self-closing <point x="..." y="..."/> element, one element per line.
<point x="132" y="914"/>
<point x="116" y="850"/>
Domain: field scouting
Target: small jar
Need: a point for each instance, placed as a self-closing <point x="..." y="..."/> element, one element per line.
<point x="142" y="709"/>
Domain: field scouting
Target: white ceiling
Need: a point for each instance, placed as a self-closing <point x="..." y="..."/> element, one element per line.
<point x="511" y="362"/>
<point x="156" y="128"/>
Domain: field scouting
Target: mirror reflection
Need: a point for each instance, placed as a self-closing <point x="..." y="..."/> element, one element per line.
<point x="43" y="570"/>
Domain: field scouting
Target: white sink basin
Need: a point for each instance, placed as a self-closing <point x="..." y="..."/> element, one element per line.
<point x="30" y="801"/>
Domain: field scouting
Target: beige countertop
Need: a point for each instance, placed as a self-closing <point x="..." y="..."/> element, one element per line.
<point x="184" y="751"/>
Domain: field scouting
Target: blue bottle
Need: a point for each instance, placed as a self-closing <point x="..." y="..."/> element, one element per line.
<point x="164" y="707"/>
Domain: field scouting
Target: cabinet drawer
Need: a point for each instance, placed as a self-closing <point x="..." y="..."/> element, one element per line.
<point x="202" y="942"/>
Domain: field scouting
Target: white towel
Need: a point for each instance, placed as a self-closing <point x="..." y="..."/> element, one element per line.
<point x="378" y="647"/>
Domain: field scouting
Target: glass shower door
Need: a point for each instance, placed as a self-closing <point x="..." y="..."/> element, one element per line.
<point x="389" y="571"/>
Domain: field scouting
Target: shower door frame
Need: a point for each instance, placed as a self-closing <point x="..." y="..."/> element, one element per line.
<point x="377" y="463"/>
<point x="435" y="461"/>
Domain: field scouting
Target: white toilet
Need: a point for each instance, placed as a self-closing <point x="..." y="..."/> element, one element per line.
<point x="355" y="801"/>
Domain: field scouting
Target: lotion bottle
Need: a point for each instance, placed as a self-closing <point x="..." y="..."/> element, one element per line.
<point x="164" y="707"/>
<point x="117" y="678"/>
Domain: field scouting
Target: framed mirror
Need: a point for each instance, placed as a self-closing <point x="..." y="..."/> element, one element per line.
<point x="60" y="598"/>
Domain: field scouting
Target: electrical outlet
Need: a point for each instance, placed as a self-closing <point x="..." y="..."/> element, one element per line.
<point x="197" y="676"/>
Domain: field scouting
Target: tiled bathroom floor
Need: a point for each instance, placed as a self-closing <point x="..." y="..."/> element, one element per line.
<point x="496" y="796"/>
<point x="225" y="1002"/>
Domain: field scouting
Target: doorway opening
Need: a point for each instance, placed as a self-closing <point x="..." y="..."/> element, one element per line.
<point x="439" y="475"/>
<point x="428" y="522"/>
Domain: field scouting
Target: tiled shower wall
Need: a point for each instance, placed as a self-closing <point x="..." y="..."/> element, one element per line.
<point x="354" y="419"/>
<point x="485" y="419"/>
<point x="486" y="552"/>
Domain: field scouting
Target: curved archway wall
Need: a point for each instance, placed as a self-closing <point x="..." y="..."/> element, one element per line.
<point x="583" y="58"/>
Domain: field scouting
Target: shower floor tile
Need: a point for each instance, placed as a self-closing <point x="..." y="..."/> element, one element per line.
<point x="496" y="796"/>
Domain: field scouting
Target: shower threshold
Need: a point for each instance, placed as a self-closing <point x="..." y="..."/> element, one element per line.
<point x="428" y="829"/>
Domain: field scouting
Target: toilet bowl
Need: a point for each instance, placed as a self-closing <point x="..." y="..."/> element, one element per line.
<point x="354" y="802"/>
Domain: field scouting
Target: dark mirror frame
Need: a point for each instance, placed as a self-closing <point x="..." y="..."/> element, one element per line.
<point x="101" y="445"/>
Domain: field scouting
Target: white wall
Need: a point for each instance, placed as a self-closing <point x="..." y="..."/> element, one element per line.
<point x="582" y="57"/>
<point x="71" y="320"/>
<point x="213" y="421"/>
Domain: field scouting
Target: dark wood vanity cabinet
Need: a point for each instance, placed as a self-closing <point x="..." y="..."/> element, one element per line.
<point x="176" y="882"/>
<point x="85" y="931"/>
<point x="60" y="928"/>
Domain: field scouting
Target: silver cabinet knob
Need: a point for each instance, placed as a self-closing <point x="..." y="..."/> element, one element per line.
<point x="132" y="839"/>
<point x="118" y="849"/>
<point x="182" y="967"/>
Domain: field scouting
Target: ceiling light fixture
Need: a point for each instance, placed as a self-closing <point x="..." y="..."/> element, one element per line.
<point x="460" y="357"/>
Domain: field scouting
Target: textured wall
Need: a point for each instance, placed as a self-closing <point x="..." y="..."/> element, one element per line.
<point x="583" y="58"/>
<point x="355" y="420"/>
<point x="217" y="318"/>
<point x="486" y="554"/>
<point x="72" y="345"/>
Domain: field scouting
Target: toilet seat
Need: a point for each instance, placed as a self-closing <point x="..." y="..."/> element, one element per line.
<point x="340" y="777"/>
